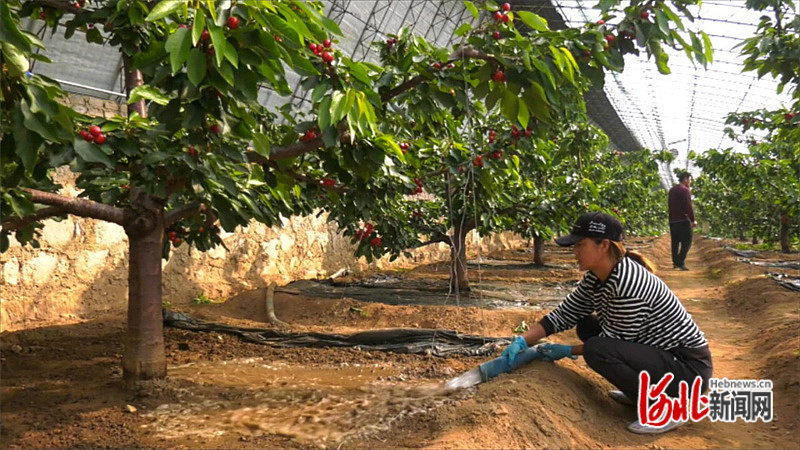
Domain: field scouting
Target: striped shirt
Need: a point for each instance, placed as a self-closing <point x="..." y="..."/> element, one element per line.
<point x="633" y="305"/>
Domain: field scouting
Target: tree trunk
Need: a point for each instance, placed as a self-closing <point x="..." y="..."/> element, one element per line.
<point x="144" y="356"/>
<point x="538" y="249"/>
<point x="458" y="260"/>
<point x="785" y="233"/>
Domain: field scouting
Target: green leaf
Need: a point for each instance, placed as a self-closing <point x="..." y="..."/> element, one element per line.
<point x="463" y="29"/>
<point x="231" y="55"/>
<point x="662" y="58"/>
<point x="16" y="61"/>
<point x="218" y="39"/>
<point x="226" y="70"/>
<point x="338" y="106"/>
<point x="709" y="49"/>
<point x="198" y="26"/>
<point x="319" y="92"/>
<point x="164" y="8"/>
<point x="148" y="93"/>
<point x="178" y="46"/>
<point x="324" y="113"/>
<point x="471" y="7"/>
<point x="537" y="102"/>
<point x="26" y="144"/>
<point x="91" y="153"/>
<point x="532" y="20"/>
<point x="509" y="105"/>
<point x="523" y="115"/>
<point x="662" y="22"/>
<point x="261" y="144"/>
<point x="9" y="32"/>
<point x="94" y="36"/>
<point x="196" y="66"/>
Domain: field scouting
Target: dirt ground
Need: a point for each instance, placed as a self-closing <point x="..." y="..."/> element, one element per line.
<point x="61" y="385"/>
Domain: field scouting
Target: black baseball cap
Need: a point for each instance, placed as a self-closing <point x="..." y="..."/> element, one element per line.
<point x="593" y="225"/>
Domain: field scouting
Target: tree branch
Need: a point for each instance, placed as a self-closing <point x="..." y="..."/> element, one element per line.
<point x="21" y="222"/>
<point x="80" y="207"/>
<point x="188" y="210"/>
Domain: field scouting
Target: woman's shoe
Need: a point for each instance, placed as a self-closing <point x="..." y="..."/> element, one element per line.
<point x="638" y="428"/>
<point x="620" y="397"/>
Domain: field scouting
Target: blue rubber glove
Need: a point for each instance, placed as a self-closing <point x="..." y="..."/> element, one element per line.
<point x="554" y="352"/>
<point x="516" y="346"/>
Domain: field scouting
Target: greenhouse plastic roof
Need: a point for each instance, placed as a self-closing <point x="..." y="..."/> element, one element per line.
<point x="686" y="109"/>
<point x="682" y="111"/>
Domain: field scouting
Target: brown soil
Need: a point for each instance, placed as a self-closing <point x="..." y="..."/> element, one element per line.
<point x="61" y="385"/>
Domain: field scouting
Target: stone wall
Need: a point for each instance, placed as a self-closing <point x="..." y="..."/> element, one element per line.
<point x="81" y="269"/>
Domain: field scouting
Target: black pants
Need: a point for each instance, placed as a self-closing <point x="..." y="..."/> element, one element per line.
<point x="620" y="361"/>
<point x="681" y="234"/>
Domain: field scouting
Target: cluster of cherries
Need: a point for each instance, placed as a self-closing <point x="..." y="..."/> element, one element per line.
<point x="418" y="189"/>
<point x="503" y="17"/>
<point x="328" y="182"/>
<point x="320" y="50"/>
<point x="404" y="146"/>
<point x="366" y="232"/>
<point x="93" y="134"/>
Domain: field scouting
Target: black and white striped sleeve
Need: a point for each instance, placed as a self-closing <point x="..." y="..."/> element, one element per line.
<point x="578" y="304"/>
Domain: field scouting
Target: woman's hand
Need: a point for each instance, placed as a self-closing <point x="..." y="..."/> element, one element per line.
<point x="554" y="352"/>
<point x="516" y="346"/>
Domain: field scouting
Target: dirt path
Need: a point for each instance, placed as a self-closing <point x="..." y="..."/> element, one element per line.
<point x="60" y="385"/>
<point x="565" y="405"/>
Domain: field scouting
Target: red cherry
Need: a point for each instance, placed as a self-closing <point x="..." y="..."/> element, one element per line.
<point x="418" y="182"/>
<point x="125" y="187"/>
<point x="327" y="57"/>
<point x="233" y="22"/>
<point x="478" y="161"/>
<point x="506" y="6"/>
<point x="601" y="22"/>
<point x="205" y="35"/>
<point x="498" y="16"/>
<point x="312" y="47"/>
<point x="375" y="242"/>
<point x="95" y="130"/>
<point x="505" y="18"/>
<point x="278" y="38"/>
<point x="99" y="139"/>
<point x="192" y="151"/>
<point x="42" y="15"/>
<point x="452" y="92"/>
<point x="437" y="65"/>
<point x="77" y="5"/>
<point x="177" y="242"/>
<point x="449" y="66"/>
<point x="200" y="230"/>
<point x="527" y="133"/>
<point x="328" y="182"/>
<point x="214" y="129"/>
<point x="610" y="38"/>
<point x="644" y="14"/>
<point x="499" y="76"/>
<point x="173" y="235"/>
<point x="497" y="35"/>
<point x="789" y="116"/>
<point x="183" y="25"/>
<point x="327" y="43"/>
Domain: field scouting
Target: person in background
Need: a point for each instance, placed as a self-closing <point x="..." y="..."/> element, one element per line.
<point x="627" y="317"/>
<point x="681" y="220"/>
